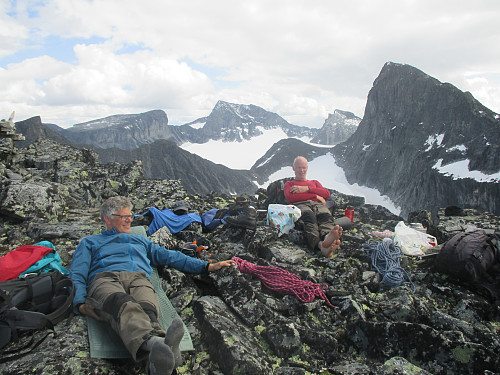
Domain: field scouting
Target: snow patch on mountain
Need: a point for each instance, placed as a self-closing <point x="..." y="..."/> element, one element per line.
<point x="198" y="124"/>
<point x="432" y="140"/>
<point x="330" y="175"/>
<point x="460" y="169"/>
<point x="237" y="155"/>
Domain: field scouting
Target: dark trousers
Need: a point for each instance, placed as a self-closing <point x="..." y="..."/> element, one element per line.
<point x="317" y="220"/>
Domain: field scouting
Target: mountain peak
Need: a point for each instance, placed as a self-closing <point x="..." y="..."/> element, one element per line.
<point x="118" y="121"/>
<point x="413" y="122"/>
<point x="337" y="128"/>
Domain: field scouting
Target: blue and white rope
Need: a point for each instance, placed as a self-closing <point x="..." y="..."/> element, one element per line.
<point x="385" y="257"/>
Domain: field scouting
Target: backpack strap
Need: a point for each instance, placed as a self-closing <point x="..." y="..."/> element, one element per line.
<point x="55" y="284"/>
<point x="20" y="319"/>
<point x="17" y="355"/>
<point x="494" y="240"/>
<point x="63" y="310"/>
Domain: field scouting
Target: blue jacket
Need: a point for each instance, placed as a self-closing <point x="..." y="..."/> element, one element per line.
<point x="112" y="251"/>
<point x="166" y="218"/>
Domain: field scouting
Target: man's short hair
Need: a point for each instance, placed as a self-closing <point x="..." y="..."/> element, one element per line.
<point x="113" y="205"/>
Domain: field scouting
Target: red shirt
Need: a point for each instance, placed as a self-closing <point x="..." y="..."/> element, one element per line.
<point x="20" y="259"/>
<point x="315" y="188"/>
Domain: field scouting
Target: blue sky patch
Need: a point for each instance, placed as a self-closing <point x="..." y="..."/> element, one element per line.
<point x="132" y="48"/>
<point x="215" y="73"/>
<point x="59" y="48"/>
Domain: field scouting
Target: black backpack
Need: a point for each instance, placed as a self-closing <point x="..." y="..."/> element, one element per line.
<point x="35" y="302"/>
<point x="473" y="257"/>
<point x="276" y="192"/>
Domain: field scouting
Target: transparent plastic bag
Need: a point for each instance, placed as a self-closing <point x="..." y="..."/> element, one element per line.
<point x="282" y="217"/>
<point x="411" y="241"/>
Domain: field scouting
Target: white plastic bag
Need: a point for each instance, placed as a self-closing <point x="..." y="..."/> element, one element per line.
<point x="411" y="241"/>
<point x="282" y="217"/>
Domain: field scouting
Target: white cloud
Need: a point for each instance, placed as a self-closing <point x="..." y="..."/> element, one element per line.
<point x="299" y="59"/>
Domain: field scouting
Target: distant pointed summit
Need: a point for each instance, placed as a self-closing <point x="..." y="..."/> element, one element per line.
<point x="338" y="127"/>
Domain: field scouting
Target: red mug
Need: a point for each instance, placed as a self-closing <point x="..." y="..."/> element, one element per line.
<point x="349" y="212"/>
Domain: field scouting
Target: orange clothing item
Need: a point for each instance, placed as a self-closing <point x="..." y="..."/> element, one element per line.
<point x="315" y="188"/>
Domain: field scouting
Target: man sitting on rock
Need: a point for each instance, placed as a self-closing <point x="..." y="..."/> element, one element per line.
<point x="310" y="196"/>
<point x="111" y="273"/>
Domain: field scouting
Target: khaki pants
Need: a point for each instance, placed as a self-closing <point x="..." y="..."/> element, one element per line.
<point x="318" y="222"/>
<point x="128" y="302"/>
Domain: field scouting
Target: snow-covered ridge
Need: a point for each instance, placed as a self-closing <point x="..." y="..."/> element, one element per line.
<point x="237" y="155"/>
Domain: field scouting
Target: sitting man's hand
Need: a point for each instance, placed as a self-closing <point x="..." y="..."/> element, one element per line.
<point x="299" y="189"/>
<point x="217" y="266"/>
<point x="86" y="309"/>
<point x="321" y="199"/>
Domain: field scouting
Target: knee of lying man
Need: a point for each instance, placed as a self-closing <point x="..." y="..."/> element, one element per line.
<point x="150" y="310"/>
<point x="325" y="217"/>
<point x="114" y="303"/>
<point x="308" y="217"/>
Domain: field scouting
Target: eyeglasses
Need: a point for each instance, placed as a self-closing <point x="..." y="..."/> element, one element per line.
<point x="124" y="217"/>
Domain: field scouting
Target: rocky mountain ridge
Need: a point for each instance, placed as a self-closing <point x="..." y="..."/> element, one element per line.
<point x="429" y="324"/>
<point x="123" y="131"/>
<point x="229" y="122"/>
<point x="412" y="127"/>
<point x="235" y="122"/>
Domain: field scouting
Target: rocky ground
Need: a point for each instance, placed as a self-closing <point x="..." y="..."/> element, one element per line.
<point x="433" y="325"/>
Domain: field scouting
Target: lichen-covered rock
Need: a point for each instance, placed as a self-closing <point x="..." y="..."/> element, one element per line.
<point x="28" y="200"/>
<point x="429" y="324"/>
<point x="234" y="346"/>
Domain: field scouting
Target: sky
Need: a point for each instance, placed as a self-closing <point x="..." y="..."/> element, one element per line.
<point x="71" y="61"/>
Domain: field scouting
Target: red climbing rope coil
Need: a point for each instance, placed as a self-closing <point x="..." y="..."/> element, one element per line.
<point x="282" y="281"/>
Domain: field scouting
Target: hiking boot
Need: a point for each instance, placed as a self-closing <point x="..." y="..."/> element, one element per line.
<point x="241" y="201"/>
<point x="247" y="219"/>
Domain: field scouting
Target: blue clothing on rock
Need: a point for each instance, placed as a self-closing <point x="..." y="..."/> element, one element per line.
<point x="50" y="262"/>
<point x="209" y="220"/>
<point x="113" y="251"/>
<point x="167" y="218"/>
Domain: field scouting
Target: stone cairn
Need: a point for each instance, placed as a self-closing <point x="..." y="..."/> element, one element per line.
<point x="8" y="129"/>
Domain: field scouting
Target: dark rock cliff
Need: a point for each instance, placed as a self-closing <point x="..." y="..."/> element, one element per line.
<point x="414" y="124"/>
<point x="33" y="129"/>
<point x="165" y="160"/>
<point x="433" y="325"/>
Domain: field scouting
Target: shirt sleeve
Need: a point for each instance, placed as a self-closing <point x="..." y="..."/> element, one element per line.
<point x="318" y="189"/>
<point x="315" y="188"/>
<point x="79" y="271"/>
<point x="161" y="256"/>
